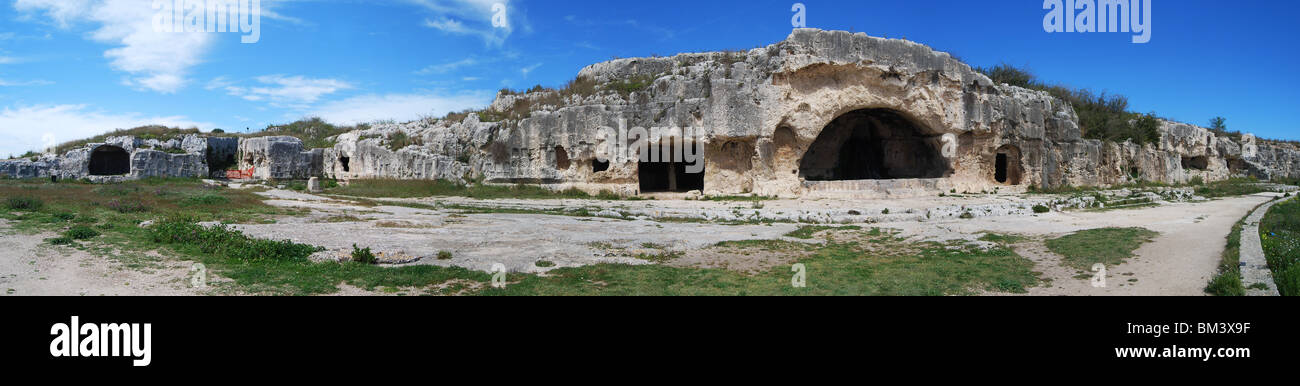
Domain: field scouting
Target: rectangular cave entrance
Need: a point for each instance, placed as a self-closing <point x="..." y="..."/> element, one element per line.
<point x="873" y="144"/>
<point x="1000" y="175"/>
<point x="658" y="177"/>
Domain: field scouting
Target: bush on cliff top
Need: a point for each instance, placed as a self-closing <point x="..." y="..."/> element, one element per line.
<point x="1101" y="116"/>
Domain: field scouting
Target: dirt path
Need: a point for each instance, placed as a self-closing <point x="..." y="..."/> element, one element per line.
<point x="31" y="267"/>
<point x="1179" y="262"/>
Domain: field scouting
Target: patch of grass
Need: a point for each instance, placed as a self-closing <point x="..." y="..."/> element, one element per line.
<point x="544" y="264"/>
<point x="220" y="240"/>
<point x="81" y="232"/>
<point x="60" y="241"/>
<point x="444" y="255"/>
<point x="205" y="198"/>
<point x="834" y="269"/>
<point x="363" y="256"/>
<point x="24" y="203"/>
<point x="1280" y="235"/>
<point x="1109" y="246"/>
<point x="1227" y="282"/>
<point x="1001" y="238"/>
<point x="807" y="232"/>
<point x="1041" y="209"/>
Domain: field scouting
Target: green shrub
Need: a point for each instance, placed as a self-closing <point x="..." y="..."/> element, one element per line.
<point x="220" y="240"/>
<point x="967" y="216"/>
<point x="1041" y="209"/>
<point x="544" y="264"/>
<point x="60" y="241"/>
<point x="363" y="256"/>
<point x="1101" y="116"/>
<point x="1196" y="181"/>
<point x="81" y="232"/>
<point x="444" y="255"/>
<point x="64" y="216"/>
<point x="24" y="203"/>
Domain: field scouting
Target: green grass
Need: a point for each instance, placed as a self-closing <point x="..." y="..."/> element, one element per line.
<point x="833" y="269"/>
<point x="23" y="203"/>
<point x="1280" y="235"/>
<point x="1109" y="246"/>
<point x="282" y="267"/>
<point x="807" y="232"/>
<point x="1227" y="282"/>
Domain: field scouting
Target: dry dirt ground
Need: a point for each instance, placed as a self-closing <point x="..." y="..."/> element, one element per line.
<point x="1180" y="261"/>
<point x="31" y="267"/>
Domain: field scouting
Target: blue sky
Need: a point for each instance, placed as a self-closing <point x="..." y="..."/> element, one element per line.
<point x="74" y="68"/>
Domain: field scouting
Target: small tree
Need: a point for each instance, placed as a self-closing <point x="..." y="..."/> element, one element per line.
<point x="1218" y="124"/>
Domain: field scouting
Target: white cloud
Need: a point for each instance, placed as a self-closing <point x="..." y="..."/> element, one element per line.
<point x="156" y="61"/>
<point x="399" y="107"/>
<point x="22" y="128"/>
<point x="283" y="91"/>
<point x="8" y="60"/>
<point x="472" y="18"/>
<point x="20" y="83"/>
<point x="529" y="69"/>
<point x="447" y="67"/>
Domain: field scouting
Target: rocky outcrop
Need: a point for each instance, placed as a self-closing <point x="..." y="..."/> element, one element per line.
<point x="279" y="158"/>
<point x="763" y="117"/>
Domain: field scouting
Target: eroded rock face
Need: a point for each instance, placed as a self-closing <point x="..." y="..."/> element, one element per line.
<point x="124" y="158"/>
<point x="279" y="158"/>
<point x="764" y="116"/>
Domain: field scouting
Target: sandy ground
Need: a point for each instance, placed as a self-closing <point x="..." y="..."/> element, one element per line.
<point x="31" y="267"/>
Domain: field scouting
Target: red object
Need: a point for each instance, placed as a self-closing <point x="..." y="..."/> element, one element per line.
<point x="239" y="174"/>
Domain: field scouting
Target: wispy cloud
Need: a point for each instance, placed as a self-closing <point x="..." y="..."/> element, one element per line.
<point x="400" y="107"/>
<point x="282" y="91"/>
<point x="526" y="70"/>
<point x="23" y="128"/>
<point x="473" y="18"/>
<point x="22" y="83"/>
<point x="447" y="67"/>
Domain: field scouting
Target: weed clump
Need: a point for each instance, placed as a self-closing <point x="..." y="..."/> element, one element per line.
<point x="363" y="256"/>
<point x="222" y="241"/>
<point x="24" y="203"/>
<point x="81" y="232"/>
